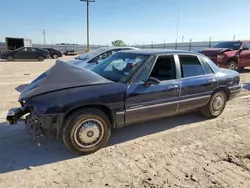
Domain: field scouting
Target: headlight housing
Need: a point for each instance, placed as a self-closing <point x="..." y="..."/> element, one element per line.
<point x="221" y="56"/>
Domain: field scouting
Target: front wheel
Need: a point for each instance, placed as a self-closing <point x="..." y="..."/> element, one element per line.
<point x="10" y="58"/>
<point x="215" y="106"/>
<point x="86" y="131"/>
<point x="40" y="58"/>
<point x="232" y="65"/>
<point x="55" y="56"/>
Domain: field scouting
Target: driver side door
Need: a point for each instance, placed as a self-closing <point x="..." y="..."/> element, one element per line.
<point x="157" y="100"/>
<point x="245" y="55"/>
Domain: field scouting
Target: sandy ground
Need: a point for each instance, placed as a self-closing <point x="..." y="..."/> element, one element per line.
<point x="183" y="151"/>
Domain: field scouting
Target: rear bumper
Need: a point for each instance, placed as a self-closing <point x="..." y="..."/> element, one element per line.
<point x="234" y="91"/>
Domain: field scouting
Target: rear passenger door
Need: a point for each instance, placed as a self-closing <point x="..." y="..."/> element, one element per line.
<point x="198" y="81"/>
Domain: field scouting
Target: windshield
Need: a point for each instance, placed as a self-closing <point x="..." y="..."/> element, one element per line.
<point x="120" y="66"/>
<point x="91" y="54"/>
<point x="230" y="45"/>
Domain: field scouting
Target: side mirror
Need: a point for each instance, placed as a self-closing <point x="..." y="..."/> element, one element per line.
<point x="152" y="81"/>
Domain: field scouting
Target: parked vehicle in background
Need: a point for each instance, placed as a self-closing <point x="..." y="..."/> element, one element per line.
<point x="26" y="53"/>
<point x="70" y="53"/>
<point x="55" y="54"/>
<point x="90" y="59"/>
<point x="132" y="86"/>
<point x="231" y="55"/>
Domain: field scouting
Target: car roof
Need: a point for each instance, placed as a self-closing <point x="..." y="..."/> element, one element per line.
<point x="157" y="51"/>
<point x="117" y="47"/>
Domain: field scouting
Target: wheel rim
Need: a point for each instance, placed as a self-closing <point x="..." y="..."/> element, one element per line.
<point x="88" y="133"/>
<point x="9" y="58"/>
<point x="218" y="103"/>
<point x="232" y="66"/>
<point x="40" y="58"/>
<point x="55" y="56"/>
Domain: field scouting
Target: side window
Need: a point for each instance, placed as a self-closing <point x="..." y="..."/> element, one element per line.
<point x="164" y="69"/>
<point x="104" y="55"/>
<point x="190" y="66"/>
<point x="206" y="66"/>
<point x="23" y="50"/>
<point x="33" y="50"/>
<point x="246" y="45"/>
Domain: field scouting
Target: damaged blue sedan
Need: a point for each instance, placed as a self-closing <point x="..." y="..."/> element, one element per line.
<point x="83" y="106"/>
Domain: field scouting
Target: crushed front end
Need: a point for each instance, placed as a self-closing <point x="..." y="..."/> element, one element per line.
<point x="36" y="124"/>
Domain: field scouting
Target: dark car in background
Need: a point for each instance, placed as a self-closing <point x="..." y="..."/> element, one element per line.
<point x="27" y="53"/>
<point x="70" y="52"/>
<point x="132" y="86"/>
<point x="55" y="54"/>
<point x="232" y="54"/>
<point x="93" y="57"/>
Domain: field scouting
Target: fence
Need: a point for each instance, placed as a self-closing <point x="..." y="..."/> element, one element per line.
<point x="189" y="46"/>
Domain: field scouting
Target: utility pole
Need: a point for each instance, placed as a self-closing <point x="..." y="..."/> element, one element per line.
<point x="177" y="27"/>
<point x="44" y="37"/>
<point x="234" y="38"/>
<point x="88" y="1"/>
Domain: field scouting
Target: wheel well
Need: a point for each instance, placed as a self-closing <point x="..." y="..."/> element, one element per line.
<point x="103" y="108"/>
<point x="235" y="59"/>
<point x="224" y="89"/>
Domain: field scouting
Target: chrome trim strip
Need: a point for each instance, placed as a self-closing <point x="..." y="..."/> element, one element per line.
<point x="237" y="90"/>
<point x="195" y="98"/>
<point x="120" y="113"/>
<point x="151" y="106"/>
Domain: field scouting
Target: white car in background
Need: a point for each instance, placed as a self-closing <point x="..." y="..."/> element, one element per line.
<point x="93" y="57"/>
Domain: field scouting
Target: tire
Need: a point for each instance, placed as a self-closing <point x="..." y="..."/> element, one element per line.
<point x="55" y="56"/>
<point x="232" y="65"/>
<point x="95" y="136"/>
<point x="215" y="106"/>
<point x="40" y="58"/>
<point x="10" y="58"/>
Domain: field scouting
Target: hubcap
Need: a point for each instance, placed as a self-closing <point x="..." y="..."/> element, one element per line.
<point x="232" y="66"/>
<point x="88" y="133"/>
<point x="218" y="103"/>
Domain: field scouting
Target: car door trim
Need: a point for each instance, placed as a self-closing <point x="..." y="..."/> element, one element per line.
<point x="142" y="107"/>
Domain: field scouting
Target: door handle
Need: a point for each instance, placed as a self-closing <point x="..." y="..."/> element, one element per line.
<point x="175" y="86"/>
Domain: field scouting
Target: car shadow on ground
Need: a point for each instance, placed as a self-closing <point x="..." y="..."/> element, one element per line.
<point x="19" y="151"/>
<point x="246" y="86"/>
<point x="21" y="87"/>
<point x="244" y="71"/>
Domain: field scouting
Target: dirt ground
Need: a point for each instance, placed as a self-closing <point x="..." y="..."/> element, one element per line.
<point x="183" y="151"/>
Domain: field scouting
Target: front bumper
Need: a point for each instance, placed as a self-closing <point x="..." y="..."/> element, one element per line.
<point x="15" y="114"/>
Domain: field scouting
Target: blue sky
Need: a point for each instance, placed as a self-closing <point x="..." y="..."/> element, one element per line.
<point x="133" y="21"/>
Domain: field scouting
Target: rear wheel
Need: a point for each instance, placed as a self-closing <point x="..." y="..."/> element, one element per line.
<point x="232" y="65"/>
<point x="10" y="58"/>
<point x="55" y="56"/>
<point x="86" y="131"/>
<point x="215" y="106"/>
<point x="40" y="58"/>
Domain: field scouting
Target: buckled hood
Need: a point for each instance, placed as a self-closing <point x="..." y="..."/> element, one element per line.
<point x="61" y="76"/>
